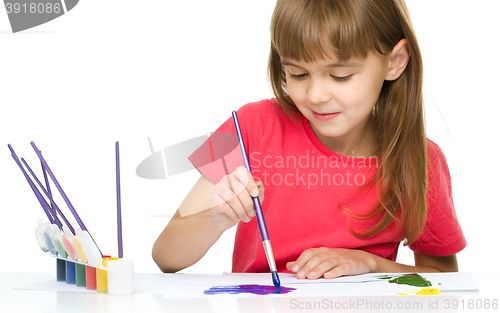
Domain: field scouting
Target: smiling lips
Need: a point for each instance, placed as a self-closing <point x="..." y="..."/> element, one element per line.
<point x="325" y="116"/>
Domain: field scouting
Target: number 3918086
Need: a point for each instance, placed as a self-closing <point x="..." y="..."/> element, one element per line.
<point x="471" y="304"/>
<point x="33" y="8"/>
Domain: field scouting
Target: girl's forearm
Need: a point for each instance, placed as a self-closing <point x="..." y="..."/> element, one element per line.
<point x="423" y="264"/>
<point x="387" y="266"/>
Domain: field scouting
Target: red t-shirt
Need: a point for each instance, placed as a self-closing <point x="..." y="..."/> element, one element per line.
<point x="309" y="189"/>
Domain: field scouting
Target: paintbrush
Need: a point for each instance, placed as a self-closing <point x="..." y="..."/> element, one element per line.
<point x="260" y="217"/>
<point x="118" y="202"/>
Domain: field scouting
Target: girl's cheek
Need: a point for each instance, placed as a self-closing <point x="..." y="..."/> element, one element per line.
<point x="292" y="93"/>
<point x="296" y="93"/>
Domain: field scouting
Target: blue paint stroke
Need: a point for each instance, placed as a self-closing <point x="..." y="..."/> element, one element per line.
<point x="253" y="289"/>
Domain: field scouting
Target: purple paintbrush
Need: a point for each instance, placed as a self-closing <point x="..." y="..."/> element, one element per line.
<point x="258" y="210"/>
<point x="46" y="179"/>
<point x="55" y="208"/>
<point x="63" y="194"/>
<point x="43" y="203"/>
<point x="118" y="201"/>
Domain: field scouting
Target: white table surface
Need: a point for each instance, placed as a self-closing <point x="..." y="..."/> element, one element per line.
<point x="32" y="301"/>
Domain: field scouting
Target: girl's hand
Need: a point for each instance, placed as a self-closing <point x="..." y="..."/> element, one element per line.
<point x="330" y="263"/>
<point x="231" y="200"/>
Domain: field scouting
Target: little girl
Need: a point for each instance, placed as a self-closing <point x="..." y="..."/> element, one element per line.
<point x="340" y="154"/>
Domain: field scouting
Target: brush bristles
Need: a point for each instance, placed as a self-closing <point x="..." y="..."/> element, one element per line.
<point x="276" y="280"/>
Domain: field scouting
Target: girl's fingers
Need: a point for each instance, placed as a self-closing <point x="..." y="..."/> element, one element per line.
<point x="224" y="208"/>
<point x="329" y="263"/>
<point x="233" y="195"/>
<point x="234" y="204"/>
<point x="247" y="201"/>
<point x="307" y="261"/>
<point x="247" y="204"/>
<point x="326" y="265"/>
<point x="246" y="180"/>
<point x="245" y="188"/>
<point x="240" y="177"/>
<point x="342" y="269"/>
<point x="251" y="189"/>
<point x="224" y="201"/>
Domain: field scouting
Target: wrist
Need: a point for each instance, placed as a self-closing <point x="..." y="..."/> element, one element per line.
<point x="214" y="227"/>
<point x="373" y="262"/>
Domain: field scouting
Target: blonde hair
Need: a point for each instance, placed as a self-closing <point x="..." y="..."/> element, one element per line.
<point x="308" y="30"/>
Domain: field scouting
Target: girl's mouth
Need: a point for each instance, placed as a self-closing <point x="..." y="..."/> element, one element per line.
<point x="325" y="116"/>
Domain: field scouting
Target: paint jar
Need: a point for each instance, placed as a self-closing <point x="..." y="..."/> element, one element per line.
<point x="70" y="273"/>
<point x="61" y="270"/>
<point x="80" y="275"/>
<point x="90" y="277"/>
<point x="102" y="275"/>
<point x="120" y="277"/>
<point x="101" y="280"/>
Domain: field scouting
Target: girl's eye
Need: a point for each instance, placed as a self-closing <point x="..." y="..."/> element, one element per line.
<point x="336" y="78"/>
<point x="342" y="79"/>
<point x="299" y="76"/>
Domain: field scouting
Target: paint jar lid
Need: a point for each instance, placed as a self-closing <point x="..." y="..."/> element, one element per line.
<point x="67" y="231"/>
<point x="39" y="236"/>
<point x="90" y="250"/>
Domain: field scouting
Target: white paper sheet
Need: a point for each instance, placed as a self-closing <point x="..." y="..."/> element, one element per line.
<point x="194" y="286"/>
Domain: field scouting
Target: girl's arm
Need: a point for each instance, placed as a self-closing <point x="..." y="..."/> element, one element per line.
<point x="423" y="264"/>
<point x="206" y="212"/>
<point x="331" y="263"/>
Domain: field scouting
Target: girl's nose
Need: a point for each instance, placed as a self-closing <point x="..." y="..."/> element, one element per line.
<point x="318" y="92"/>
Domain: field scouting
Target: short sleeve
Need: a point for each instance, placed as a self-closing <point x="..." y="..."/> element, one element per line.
<point x="220" y="154"/>
<point x="442" y="234"/>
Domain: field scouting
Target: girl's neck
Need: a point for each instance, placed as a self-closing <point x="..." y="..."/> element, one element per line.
<point x="360" y="142"/>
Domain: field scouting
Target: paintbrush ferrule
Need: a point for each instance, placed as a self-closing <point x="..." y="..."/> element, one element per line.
<point x="269" y="254"/>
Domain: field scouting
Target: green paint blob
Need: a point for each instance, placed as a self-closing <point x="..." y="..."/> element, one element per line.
<point x="414" y="280"/>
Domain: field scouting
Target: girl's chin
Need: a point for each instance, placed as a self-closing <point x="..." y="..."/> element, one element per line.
<point x="322" y="131"/>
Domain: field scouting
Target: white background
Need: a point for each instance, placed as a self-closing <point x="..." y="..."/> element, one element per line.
<point x="122" y="70"/>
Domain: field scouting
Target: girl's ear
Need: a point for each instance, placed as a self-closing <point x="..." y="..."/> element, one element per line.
<point x="399" y="58"/>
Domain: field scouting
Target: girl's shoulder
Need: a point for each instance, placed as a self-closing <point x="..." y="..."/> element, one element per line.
<point x="432" y="146"/>
<point x="436" y="162"/>
<point x="434" y="152"/>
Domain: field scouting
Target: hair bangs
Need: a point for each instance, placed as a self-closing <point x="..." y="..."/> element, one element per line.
<point x="313" y="30"/>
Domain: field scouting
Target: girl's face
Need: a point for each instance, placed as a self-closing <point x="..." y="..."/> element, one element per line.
<point x="337" y="97"/>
